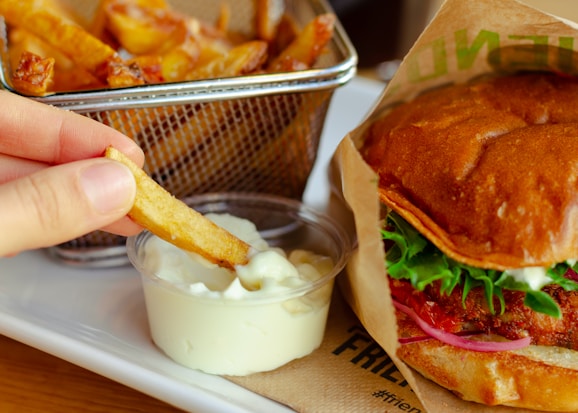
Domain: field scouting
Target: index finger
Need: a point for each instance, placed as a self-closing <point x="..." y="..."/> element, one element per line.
<point x="39" y="132"/>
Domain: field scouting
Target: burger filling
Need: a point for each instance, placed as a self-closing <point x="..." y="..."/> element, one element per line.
<point x="540" y="303"/>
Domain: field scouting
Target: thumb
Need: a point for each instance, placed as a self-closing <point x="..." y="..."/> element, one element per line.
<point x="63" y="202"/>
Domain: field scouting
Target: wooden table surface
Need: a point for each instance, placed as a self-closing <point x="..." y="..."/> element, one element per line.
<point x="32" y="381"/>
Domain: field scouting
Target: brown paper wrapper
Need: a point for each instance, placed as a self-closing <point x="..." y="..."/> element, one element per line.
<point x="466" y="39"/>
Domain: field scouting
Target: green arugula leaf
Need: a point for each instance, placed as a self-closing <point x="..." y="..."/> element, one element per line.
<point x="539" y="299"/>
<point x="557" y="275"/>
<point x="411" y="256"/>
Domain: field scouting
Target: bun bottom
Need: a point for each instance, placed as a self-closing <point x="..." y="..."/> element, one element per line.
<point x="536" y="377"/>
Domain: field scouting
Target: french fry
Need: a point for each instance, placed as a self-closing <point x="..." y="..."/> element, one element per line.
<point x="267" y="15"/>
<point x="137" y="71"/>
<point x="75" y="79"/>
<point x="212" y="43"/>
<point x="209" y="51"/>
<point x="224" y="18"/>
<point x="98" y="26"/>
<point x="180" y="60"/>
<point x="123" y="75"/>
<point x="34" y="74"/>
<point x="71" y="39"/>
<point x="287" y="32"/>
<point x="172" y="220"/>
<point x="308" y="45"/>
<point x="21" y="41"/>
<point x="240" y="60"/>
<point x="142" y="29"/>
<point x="157" y="4"/>
<point x="67" y="75"/>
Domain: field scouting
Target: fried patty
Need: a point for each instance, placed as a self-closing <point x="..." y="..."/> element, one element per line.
<point x="448" y="313"/>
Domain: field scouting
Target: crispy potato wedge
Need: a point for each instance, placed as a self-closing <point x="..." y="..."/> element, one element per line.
<point x="287" y="32"/>
<point x="67" y="75"/>
<point x="144" y="29"/>
<point x="136" y="71"/>
<point x="240" y="60"/>
<point x="222" y="23"/>
<point x="71" y="39"/>
<point x="74" y="79"/>
<point x="308" y="45"/>
<point x="21" y="41"/>
<point x="267" y="15"/>
<point x="120" y="74"/>
<point x="180" y="60"/>
<point x="34" y="74"/>
<point x="172" y="220"/>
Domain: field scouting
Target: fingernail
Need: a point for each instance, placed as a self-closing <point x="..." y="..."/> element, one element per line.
<point x="109" y="186"/>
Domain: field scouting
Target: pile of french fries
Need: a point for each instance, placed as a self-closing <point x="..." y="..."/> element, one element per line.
<point x="135" y="42"/>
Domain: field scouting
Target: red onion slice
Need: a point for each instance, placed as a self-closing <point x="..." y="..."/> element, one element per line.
<point x="461" y="342"/>
<point x="571" y="275"/>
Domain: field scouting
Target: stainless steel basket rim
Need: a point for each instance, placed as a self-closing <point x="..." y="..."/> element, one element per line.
<point x="209" y="90"/>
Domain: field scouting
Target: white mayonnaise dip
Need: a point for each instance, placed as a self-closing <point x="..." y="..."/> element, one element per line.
<point x="235" y="322"/>
<point x="535" y="277"/>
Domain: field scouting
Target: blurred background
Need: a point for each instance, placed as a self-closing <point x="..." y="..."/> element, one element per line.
<point x="383" y="30"/>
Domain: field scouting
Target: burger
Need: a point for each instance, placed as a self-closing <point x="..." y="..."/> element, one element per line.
<point x="479" y="183"/>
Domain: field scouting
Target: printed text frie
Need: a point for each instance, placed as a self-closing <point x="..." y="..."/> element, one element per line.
<point x="366" y="353"/>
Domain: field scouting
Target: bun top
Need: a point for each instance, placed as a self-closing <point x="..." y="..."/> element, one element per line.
<point x="488" y="170"/>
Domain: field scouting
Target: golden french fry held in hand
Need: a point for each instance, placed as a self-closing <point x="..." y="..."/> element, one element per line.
<point x="172" y="220"/>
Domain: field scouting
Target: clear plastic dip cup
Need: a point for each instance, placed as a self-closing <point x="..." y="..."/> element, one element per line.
<point x="204" y="318"/>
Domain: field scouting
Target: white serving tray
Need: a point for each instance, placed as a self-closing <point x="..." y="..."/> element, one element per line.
<point x="96" y="318"/>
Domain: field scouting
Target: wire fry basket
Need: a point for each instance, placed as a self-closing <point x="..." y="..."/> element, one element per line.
<point x="257" y="133"/>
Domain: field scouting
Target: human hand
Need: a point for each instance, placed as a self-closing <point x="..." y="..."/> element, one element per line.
<point x="54" y="183"/>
